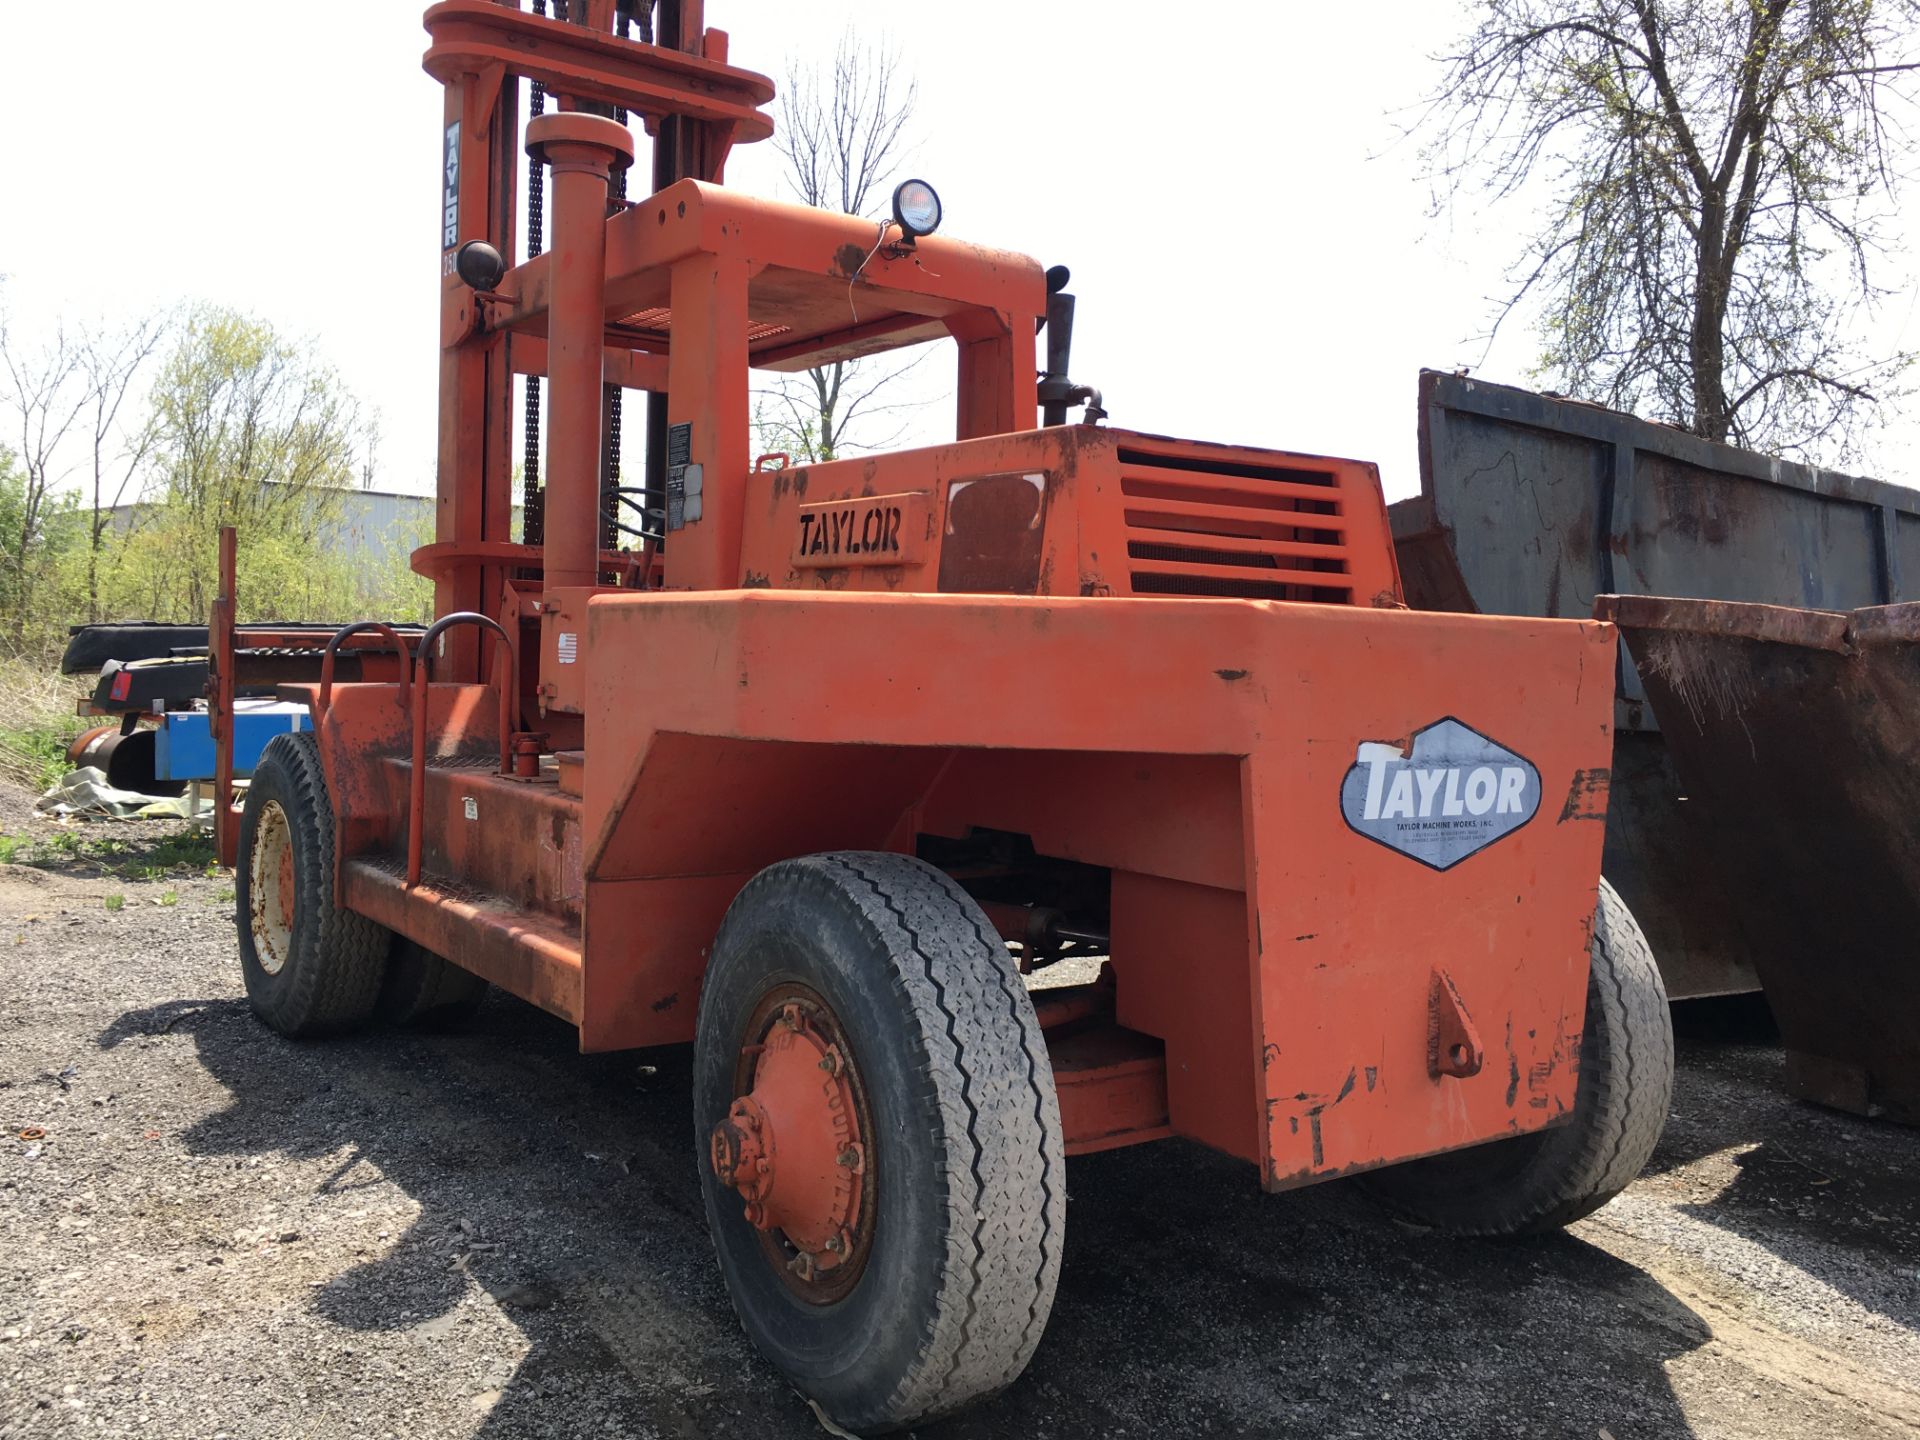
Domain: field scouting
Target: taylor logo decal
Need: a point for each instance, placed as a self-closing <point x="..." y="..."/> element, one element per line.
<point x="1451" y="793"/>
<point x="851" y="531"/>
<point x="450" y="191"/>
<point x="867" y="530"/>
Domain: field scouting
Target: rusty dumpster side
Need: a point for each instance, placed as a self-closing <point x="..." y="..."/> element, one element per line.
<point x="1798" y="731"/>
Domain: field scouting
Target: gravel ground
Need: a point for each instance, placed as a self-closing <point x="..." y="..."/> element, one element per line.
<point x="485" y="1234"/>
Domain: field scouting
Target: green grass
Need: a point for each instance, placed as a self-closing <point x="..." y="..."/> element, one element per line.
<point x="37" y="722"/>
<point x="116" y="902"/>
<point x="191" y="850"/>
<point x="126" y="852"/>
<point x="37" y="757"/>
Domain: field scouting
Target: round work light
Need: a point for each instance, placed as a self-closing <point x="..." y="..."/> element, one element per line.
<point x="916" y="207"/>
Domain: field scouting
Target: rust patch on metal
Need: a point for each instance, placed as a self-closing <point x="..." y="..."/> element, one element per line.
<point x="848" y="259"/>
<point x="994" y="528"/>
<point x="1513" y="1066"/>
<point x="1537" y="1078"/>
<point x="1587" y="795"/>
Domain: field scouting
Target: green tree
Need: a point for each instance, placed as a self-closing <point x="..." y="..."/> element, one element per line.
<point x="385" y="585"/>
<point x="1720" y="174"/>
<point x="248" y="431"/>
<point x="114" y="360"/>
<point x="13" y="499"/>
<point x="43" y="394"/>
<point x="36" y="586"/>
<point x="238" y="426"/>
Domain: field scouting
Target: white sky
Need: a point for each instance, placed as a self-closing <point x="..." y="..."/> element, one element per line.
<point x="1249" y="241"/>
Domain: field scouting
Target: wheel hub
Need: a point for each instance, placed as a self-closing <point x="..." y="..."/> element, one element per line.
<point x="792" y="1145"/>
<point x="271" y="888"/>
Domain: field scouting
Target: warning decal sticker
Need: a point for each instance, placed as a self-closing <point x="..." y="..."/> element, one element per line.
<point x="1451" y="793"/>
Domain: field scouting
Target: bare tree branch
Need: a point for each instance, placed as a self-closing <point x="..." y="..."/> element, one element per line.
<point x="44" y="393"/>
<point x="1719" y="174"/>
<point x="842" y="140"/>
<point x="112" y="362"/>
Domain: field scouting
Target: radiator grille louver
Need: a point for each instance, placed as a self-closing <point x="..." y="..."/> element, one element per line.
<point x="1201" y="526"/>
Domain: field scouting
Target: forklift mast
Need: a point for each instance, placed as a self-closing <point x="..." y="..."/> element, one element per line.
<point x="675" y="295"/>
<point x="693" y="106"/>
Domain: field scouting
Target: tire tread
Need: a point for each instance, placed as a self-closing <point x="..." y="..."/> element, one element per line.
<point x="337" y="985"/>
<point x="1548" y="1180"/>
<point x="1008" y="1202"/>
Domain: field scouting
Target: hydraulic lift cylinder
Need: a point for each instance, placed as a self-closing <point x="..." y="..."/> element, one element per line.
<point x="582" y="151"/>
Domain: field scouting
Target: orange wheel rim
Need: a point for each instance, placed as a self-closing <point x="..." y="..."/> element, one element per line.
<point x="794" y="1144"/>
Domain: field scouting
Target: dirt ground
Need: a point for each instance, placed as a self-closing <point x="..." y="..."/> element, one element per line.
<point x="485" y="1234"/>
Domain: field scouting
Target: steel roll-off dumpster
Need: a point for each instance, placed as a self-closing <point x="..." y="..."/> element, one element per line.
<point x="1795" y="729"/>
<point x="814" y="773"/>
<point x="1535" y="504"/>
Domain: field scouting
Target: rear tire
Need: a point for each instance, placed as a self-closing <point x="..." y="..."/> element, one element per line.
<point x="310" y="967"/>
<point x="1542" y="1181"/>
<point x="959" y="1240"/>
<point x="423" y="988"/>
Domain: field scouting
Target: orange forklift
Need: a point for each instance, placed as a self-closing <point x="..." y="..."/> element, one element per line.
<point x="816" y="767"/>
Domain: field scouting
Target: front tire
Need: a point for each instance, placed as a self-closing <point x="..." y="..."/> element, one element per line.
<point x="310" y="967"/>
<point x="1550" y="1178"/>
<point x="946" y="1249"/>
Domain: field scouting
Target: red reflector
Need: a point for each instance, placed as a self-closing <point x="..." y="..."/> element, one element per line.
<point x="122" y="684"/>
